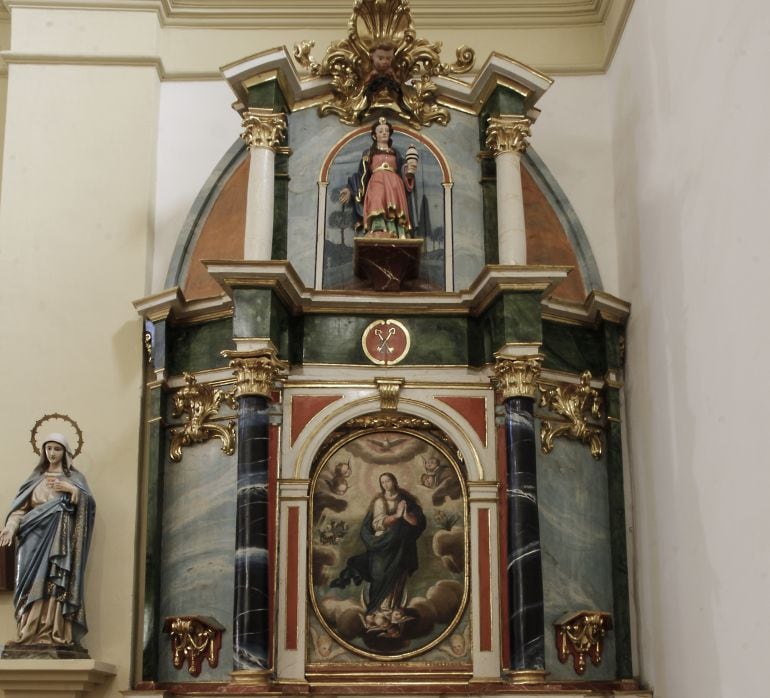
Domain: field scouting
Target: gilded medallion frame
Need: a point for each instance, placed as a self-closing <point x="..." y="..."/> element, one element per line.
<point x="426" y="443"/>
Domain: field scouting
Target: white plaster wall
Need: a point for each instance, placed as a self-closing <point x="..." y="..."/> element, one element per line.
<point x="196" y="126"/>
<point x="572" y="135"/>
<point x="690" y="120"/>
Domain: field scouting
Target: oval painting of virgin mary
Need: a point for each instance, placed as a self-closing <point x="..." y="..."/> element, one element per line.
<point x="388" y="543"/>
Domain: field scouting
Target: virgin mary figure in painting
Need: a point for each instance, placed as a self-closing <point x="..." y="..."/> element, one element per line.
<point x="52" y="519"/>
<point x="389" y="531"/>
<point x="381" y="186"/>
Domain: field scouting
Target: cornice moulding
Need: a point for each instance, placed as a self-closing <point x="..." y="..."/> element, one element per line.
<point x="591" y="27"/>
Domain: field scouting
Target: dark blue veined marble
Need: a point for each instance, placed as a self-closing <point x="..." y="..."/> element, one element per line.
<point x="251" y="644"/>
<point x="525" y="576"/>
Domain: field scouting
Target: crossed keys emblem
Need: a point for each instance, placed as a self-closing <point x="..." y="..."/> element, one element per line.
<point x="385" y="342"/>
<point x="384" y="346"/>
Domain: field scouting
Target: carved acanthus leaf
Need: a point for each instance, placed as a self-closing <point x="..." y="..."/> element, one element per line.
<point x="575" y="404"/>
<point x="200" y="403"/>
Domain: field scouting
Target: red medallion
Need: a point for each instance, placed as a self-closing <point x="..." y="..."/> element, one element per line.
<point x="385" y="342"/>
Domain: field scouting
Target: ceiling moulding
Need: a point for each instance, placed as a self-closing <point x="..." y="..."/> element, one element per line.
<point x="583" y="33"/>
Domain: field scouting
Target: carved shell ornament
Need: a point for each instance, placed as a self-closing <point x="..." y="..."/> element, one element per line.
<point x="383" y="66"/>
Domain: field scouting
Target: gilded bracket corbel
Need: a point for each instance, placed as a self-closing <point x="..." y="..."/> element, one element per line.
<point x="581" y="635"/>
<point x="390" y="390"/>
<point x="255" y="371"/>
<point x="194" y="638"/>
<point x="200" y="402"/>
<point x="575" y="403"/>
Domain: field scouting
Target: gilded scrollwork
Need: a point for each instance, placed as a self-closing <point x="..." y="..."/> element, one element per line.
<point x="193" y="639"/>
<point x="263" y="128"/>
<point x="200" y="403"/>
<point x="581" y="635"/>
<point x="255" y="371"/>
<point x="517" y="377"/>
<point x="506" y="134"/>
<point x="383" y="65"/>
<point x="576" y="404"/>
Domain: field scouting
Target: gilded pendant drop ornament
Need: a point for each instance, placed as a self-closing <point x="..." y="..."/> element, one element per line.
<point x="193" y="639"/>
<point x="200" y="402"/>
<point x="576" y="404"/>
<point x="581" y="635"/>
<point x="382" y="65"/>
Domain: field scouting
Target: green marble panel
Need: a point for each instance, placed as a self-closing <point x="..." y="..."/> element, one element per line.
<point x="279" y="327"/>
<point x="576" y="547"/>
<point x="617" y="519"/>
<point x="153" y="465"/>
<point x="523" y="321"/>
<point x="489" y="201"/>
<point x="198" y="347"/>
<point x="337" y="340"/>
<point x="573" y="348"/>
<point x="280" y="208"/>
<point x="613" y="336"/>
<point x="253" y="312"/>
<point x="267" y="95"/>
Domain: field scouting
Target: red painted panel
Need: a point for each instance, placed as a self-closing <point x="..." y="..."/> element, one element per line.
<point x="485" y="596"/>
<point x="304" y="408"/>
<point x="473" y="409"/>
<point x="292" y="581"/>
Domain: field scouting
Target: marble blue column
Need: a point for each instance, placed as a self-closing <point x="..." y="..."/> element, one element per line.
<point x="525" y="576"/>
<point x="251" y="619"/>
<point x="516" y="381"/>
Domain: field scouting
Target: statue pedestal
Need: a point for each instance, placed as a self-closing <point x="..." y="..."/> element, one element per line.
<point x="386" y="263"/>
<point x="52" y="678"/>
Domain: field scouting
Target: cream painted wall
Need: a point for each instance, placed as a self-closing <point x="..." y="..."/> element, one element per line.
<point x="196" y="127"/>
<point x="690" y="119"/>
<point x="75" y="218"/>
<point x="573" y="137"/>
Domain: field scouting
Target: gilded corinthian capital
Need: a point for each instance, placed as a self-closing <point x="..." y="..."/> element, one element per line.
<point x="517" y="377"/>
<point x="255" y="371"/>
<point x="507" y="134"/>
<point x="263" y="128"/>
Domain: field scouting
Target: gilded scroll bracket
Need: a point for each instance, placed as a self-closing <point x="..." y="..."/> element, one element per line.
<point x="390" y="390"/>
<point x="193" y="639"/>
<point x="200" y="403"/>
<point x="575" y="404"/>
<point x="581" y="635"/>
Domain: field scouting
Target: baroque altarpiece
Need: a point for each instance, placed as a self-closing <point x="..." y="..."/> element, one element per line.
<point x="382" y="434"/>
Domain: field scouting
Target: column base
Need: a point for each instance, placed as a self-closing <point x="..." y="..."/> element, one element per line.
<point x="522" y="676"/>
<point x="253" y="677"/>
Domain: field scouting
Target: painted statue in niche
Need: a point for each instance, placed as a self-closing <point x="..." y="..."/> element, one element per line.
<point x="388" y="550"/>
<point x="380" y="190"/>
<point x="51" y="519"/>
<point x="360" y="180"/>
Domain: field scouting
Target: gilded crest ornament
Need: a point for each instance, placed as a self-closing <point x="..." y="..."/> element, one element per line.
<point x="575" y="403"/>
<point x="200" y="402"/>
<point x="382" y="65"/>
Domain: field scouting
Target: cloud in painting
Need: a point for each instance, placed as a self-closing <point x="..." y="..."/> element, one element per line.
<point x="323" y="558"/>
<point x="449" y="546"/>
